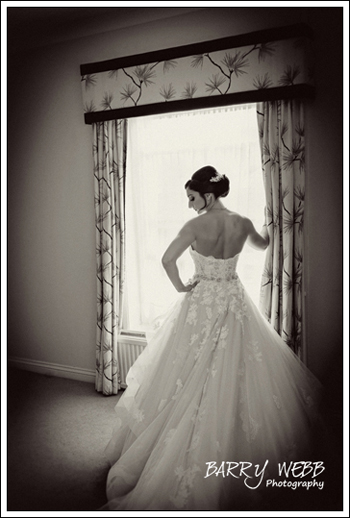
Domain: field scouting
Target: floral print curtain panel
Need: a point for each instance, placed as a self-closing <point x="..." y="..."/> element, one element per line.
<point x="109" y="151"/>
<point x="281" y="131"/>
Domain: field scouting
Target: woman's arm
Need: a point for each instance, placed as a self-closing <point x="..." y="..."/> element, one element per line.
<point x="260" y="241"/>
<point x="176" y="248"/>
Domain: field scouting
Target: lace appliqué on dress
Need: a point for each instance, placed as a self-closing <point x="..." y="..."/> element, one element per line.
<point x="307" y="398"/>
<point x="253" y="351"/>
<point x="185" y="478"/>
<point x="169" y="436"/>
<point x="138" y="415"/>
<point x="277" y="402"/>
<point x="223" y="337"/>
<point x="249" y="425"/>
<point x="199" y="412"/>
<point x="195" y="442"/>
<point x="179" y="386"/>
<point x="192" y="314"/>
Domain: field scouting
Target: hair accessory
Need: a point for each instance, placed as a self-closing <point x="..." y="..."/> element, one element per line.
<point x="216" y="178"/>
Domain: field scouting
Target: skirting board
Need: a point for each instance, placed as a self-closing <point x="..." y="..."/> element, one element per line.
<point x="53" y="369"/>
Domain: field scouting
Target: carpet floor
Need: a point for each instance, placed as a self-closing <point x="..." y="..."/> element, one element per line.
<point x="57" y="431"/>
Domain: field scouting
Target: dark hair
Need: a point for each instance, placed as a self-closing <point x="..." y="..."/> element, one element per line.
<point x="207" y="179"/>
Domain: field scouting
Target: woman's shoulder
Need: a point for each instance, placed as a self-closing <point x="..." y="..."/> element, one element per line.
<point x="239" y="217"/>
<point x="235" y="217"/>
<point x="192" y="225"/>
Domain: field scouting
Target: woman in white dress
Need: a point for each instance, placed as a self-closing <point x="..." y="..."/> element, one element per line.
<point x="217" y="399"/>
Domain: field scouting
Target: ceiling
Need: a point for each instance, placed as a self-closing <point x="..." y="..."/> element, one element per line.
<point x="30" y="27"/>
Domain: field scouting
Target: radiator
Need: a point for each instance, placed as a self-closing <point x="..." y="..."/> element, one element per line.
<point x="129" y="348"/>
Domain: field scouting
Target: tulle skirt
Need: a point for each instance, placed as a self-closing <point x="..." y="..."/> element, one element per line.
<point x="214" y="404"/>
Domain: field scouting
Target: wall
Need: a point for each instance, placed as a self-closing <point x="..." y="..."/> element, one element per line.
<point x="51" y="239"/>
<point x="324" y="255"/>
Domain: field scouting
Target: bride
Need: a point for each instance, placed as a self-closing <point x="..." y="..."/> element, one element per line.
<point x="217" y="399"/>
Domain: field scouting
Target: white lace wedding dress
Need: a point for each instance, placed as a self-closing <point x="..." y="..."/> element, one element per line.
<point x="215" y="384"/>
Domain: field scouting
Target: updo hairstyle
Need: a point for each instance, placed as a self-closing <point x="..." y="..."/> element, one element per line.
<point x="206" y="180"/>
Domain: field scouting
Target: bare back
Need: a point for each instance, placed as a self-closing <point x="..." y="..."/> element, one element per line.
<point x="220" y="234"/>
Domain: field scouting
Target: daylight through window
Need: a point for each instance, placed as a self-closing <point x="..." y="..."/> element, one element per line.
<point x="163" y="152"/>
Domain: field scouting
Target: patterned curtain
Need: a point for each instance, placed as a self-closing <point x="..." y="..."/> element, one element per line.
<point x="281" y="131"/>
<point x="109" y="150"/>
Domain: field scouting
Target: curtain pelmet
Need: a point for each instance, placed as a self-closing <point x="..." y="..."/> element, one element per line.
<point x="109" y="151"/>
<point x="206" y="72"/>
<point x="281" y="131"/>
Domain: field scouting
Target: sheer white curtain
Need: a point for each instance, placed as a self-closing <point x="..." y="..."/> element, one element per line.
<point x="164" y="152"/>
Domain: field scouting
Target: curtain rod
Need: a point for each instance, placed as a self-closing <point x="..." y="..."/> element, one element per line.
<point x="240" y="40"/>
<point x="252" y="96"/>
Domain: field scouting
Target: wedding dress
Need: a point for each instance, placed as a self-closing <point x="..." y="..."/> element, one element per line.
<point x="215" y="384"/>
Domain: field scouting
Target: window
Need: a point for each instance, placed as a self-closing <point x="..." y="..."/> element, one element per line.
<point x="163" y="152"/>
